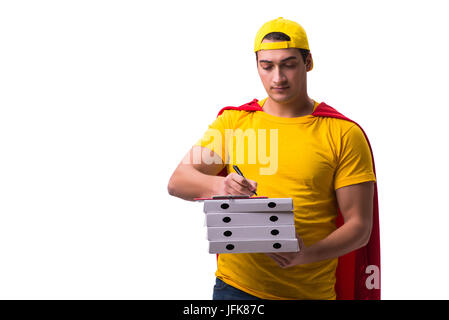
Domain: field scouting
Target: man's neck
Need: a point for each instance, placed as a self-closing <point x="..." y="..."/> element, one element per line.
<point x="297" y="108"/>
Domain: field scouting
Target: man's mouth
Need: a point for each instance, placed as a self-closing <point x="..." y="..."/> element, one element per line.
<point x="280" y="88"/>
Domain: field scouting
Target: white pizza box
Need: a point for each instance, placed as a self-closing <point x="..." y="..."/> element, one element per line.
<point x="254" y="246"/>
<point x="248" y="205"/>
<point x="250" y="219"/>
<point x="251" y="233"/>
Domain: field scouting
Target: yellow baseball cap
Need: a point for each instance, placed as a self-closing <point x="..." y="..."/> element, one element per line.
<point x="297" y="34"/>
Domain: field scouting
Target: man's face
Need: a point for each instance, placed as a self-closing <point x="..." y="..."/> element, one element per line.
<point x="282" y="72"/>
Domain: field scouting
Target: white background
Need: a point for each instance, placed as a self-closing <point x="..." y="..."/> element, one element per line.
<point x="100" y="100"/>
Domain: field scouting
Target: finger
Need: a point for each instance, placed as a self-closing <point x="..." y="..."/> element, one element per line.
<point x="279" y="263"/>
<point x="253" y="184"/>
<point x="287" y="258"/>
<point x="240" y="180"/>
<point x="279" y="260"/>
<point x="282" y="257"/>
<point x="232" y="190"/>
<point x="300" y="242"/>
<point x="238" y="187"/>
<point x="244" y="183"/>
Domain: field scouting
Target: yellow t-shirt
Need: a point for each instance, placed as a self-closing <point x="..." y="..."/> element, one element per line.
<point x="304" y="158"/>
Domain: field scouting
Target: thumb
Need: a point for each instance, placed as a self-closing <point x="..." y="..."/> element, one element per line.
<point x="300" y="241"/>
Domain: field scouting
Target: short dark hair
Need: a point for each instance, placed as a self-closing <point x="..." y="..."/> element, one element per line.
<point x="280" y="36"/>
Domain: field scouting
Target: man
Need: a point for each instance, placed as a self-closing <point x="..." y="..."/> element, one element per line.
<point x="323" y="163"/>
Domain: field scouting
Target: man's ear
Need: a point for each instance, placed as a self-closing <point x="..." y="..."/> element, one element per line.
<point x="309" y="62"/>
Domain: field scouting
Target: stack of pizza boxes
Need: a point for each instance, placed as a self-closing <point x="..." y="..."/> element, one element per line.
<point x="249" y="225"/>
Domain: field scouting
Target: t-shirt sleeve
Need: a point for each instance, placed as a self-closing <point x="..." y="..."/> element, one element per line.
<point x="215" y="136"/>
<point x="355" y="163"/>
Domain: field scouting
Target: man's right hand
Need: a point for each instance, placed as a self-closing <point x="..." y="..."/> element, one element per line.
<point x="234" y="184"/>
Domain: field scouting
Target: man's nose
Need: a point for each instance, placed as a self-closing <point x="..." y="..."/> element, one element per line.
<point x="279" y="76"/>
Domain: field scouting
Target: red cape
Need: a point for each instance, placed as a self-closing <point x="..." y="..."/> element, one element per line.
<point x="352" y="273"/>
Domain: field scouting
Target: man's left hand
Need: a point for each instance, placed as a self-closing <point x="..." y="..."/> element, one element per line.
<point x="290" y="259"/>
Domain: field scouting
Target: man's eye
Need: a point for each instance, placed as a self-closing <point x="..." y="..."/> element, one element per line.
<point x="267" y="67"/>
<point x="291" y="66"/>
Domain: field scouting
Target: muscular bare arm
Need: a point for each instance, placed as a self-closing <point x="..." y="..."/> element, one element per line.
<point x="356" y="206"/>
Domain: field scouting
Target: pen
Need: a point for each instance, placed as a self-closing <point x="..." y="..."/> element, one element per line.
<point x="241" y="174"/>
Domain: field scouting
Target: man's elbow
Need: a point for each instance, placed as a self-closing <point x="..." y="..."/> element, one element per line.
<point x="171" y="187"/>
<point x="365" y="235"/>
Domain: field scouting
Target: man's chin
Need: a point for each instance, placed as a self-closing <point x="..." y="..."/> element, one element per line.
<point x="281" y="98"/>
